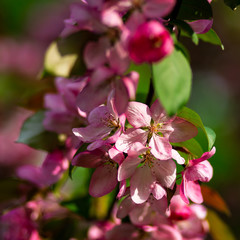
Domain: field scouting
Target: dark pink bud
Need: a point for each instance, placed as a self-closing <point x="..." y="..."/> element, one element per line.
<point x="150" y="43"/>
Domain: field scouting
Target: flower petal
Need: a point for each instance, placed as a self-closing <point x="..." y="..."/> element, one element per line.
<point x="160" y="147"/>
<point x="140" y="184"/>
<point x="129" y="138"/>
<point x="194" y="191"/>
<point x="138" y="114"/>
<point x="103" y="180"/>
<point x="156" y="8"/>
<point x="176" y="156"/>
<point x="182" y="130"/>
<point x="128" y="167"/>
<point x="90" y="133"/>
<point x="202" y="171"/>
<point x="165" y="172"/>
<point x="158" y="191"/>
<point x="116" y="155"/>
<point x="88" y="159"/>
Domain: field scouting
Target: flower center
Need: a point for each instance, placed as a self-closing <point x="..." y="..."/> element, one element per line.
<point x="156" y="41"/>
<point x="110" y="121"/>
<point x="148" y="158"/>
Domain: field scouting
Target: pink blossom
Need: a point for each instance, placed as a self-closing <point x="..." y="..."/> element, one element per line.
<point x="151" y="212"/>
<point x="197" y="169"/>
<point x="150" y="8"/>
<point x="99" y="229"/>
<point x="105" y="125"/>
<point x="108" y="64"/>
<point x="89" y="15"/>
<point x="188" y="219"/>
<point x="62" y="114"/>
<point x="50" y="171"/>
<point x="105" y="160"/>
<point x="154" y="127"/>
<point x="150" y="43"/>
<point x="157" y="174"/>
<point x="24" y="227"/>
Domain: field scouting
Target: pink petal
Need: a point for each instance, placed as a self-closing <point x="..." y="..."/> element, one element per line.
<point x="118" y="59"/>
<point x="204" y="157"/>
<point x="160" y="147"/>
<point x="137" y="149"/>
<point x="116" y="155"/>
<point x="131" y="83"/>
<point x="54" y="102"/>
<point x="176" y="156"/>
<point x="88" y="159"/>
<point x="202" y="171"/>
<point x="142" y="214"/>
<point x="165" y="172"/>
<point x="95" y="53"/>
<point x="158" y="113"/>
<point x="121" y="97"/>
<point x="138" y="114"/>
<point x="167" y="232"/>
<point x="158" y="191"/>
<point x="111" y="18"/>
<point x="158" y="8"/>
<point x="128" y="167"/>
<point x="32" y="174"/>
<point x="97" y="116"/>
<point x="90" y="133"/>
<point x="126" y="206"/>
<point x="91" y="97"/>
<point x="100" y="76"/>
<point x="53" y="166"/>
<point x="122" y="189"/>
<point x="96" y="144"/>
<point x="130" y="138"/>
<point x="201" y="26"/>
<point x="183" y="190"/>
<point x="160" y="205"/>
<point x="111" y="104"/>
<point x="194" y="191"/>
<point x="103" y="180"/>
<point x="59" y="122"/>
<point x="140" y="184"/>
<point x="182" y="130"/>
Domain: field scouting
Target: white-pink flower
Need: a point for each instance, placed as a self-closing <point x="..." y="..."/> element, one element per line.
<point x="50" y="172"/>
<point x="197" y="169"/>
<point x="153" y="127"/>
<point x="148" y="175"/>
<point x="105" y="125"/>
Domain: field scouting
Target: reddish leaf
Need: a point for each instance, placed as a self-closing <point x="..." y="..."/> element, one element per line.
<point x="213" y="199"/>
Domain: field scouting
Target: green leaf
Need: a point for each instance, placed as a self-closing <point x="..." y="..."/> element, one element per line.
<point x="172" y="81"/>
<point x="34" y="134"/>
<point x="192" y="146"/>
<point x="194" y="10"/>
<point x="211" y="137"/>
<point x="194" y="118"/>
<point x="218" y="228"/>
<point x="232" y="3"/>
<point x="65" y="56"/>
<point x="211" y="37"/>
<point x="186" y="30"/>
<point x="144" y="71"/>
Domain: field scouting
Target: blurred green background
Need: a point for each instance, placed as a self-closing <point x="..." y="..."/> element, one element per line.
<point x="27" y="27"/>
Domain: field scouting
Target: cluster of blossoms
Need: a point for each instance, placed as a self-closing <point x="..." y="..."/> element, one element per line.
<point x="130" y="144"/>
